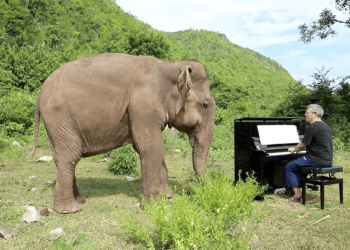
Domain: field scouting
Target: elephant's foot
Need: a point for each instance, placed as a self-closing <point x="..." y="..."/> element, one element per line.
<point x="80" y="199"/>
<point x="167" y="192"/>
<point x="170" y="193"/>
<point x="148" y="200"/>
<point x="72" y="207"/>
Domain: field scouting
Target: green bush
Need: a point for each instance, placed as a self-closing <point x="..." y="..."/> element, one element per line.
<point x="213" y="217"/>
<point x="17" y="112"/>
<point x="341" y="135"/>
<point x="124" y="160"/>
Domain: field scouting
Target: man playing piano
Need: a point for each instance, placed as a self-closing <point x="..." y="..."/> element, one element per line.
<point x="319" y="150"/>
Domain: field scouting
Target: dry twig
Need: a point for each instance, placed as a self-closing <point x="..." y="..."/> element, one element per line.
<point x="321" y="220"/>
<point x="301" y="217"/>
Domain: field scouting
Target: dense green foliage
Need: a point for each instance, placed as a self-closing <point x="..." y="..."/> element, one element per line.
<point x="213" y="217"/>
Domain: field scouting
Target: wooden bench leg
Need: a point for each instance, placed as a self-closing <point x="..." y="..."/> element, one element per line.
<point x="303" y="194"/>
<point x="322" y="195"/>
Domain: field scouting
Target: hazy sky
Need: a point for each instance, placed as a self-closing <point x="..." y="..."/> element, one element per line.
<point x="269" y="27"/>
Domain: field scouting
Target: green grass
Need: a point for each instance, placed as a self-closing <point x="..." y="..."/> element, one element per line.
<point x="284" y="226"/>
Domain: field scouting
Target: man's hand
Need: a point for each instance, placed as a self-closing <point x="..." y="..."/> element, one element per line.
<point x="301" y="146"/>
<point x="291" y="149"/>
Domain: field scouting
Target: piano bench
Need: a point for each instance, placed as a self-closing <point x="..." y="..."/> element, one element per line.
<point x="312" y="178"/>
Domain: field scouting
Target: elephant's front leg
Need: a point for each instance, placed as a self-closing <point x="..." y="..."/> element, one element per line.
<point x="150" y="149"/>
<point x="164" y="187"/>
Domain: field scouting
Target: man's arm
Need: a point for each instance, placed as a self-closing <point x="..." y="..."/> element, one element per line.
<point x="301" y="146"/>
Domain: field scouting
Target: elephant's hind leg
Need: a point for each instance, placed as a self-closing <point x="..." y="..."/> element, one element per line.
<point x="77" y="196"/>
<point x="66" y="195"/>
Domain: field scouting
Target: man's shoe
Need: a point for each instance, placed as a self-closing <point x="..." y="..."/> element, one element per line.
<point x="295" y="199"/>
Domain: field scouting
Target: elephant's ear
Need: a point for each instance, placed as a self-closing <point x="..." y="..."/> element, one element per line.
<point x="184" y="85"/>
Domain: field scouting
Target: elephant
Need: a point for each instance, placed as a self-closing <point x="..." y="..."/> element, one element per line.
<point x="101" y="102"/>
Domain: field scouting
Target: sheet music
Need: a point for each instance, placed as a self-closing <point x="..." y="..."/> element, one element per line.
<point x="278" y="134"/>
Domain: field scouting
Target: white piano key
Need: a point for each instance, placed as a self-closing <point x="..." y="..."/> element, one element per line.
<point x="285" y="153"/>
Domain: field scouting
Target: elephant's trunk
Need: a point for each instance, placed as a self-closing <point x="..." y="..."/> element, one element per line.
<point x="200" y="149"/>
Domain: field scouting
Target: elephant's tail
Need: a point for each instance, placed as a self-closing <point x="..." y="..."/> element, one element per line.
<point x="36" y="127"/>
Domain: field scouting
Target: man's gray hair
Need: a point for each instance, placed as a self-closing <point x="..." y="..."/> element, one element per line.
<point x="315" y="108"/>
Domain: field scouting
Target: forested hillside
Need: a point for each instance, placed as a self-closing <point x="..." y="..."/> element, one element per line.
<point x="37" y="36"/>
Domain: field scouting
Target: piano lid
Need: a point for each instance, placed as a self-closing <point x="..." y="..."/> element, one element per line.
<point x="278" y="134"/>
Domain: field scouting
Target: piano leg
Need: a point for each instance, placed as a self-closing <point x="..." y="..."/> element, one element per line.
<point x="260" y="179"/>
<point x="269" y="174"/>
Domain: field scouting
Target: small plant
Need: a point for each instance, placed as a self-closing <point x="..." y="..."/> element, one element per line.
<point x="61" y="243"/>
<point x="211" y="218"/>
<point x="124" y="160"/>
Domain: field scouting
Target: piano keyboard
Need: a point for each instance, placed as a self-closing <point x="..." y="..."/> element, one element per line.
<point x="285" y="153"/>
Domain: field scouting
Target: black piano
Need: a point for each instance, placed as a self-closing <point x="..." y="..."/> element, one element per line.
<point x="261" y="147"/>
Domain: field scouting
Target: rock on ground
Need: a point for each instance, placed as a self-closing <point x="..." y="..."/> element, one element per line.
<point x="6" y="233"/>
<point x="45" y="158"/>
<point x="31" y="215"/>
<point x="57" y="232"/>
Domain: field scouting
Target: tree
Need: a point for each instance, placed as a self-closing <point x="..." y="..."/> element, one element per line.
<point x="329" y="93"/>
<point x="343" y="91"/>
<point x="323" y="27"/>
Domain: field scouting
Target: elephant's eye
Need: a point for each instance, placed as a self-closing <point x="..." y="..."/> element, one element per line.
<point x="205" y="105"/>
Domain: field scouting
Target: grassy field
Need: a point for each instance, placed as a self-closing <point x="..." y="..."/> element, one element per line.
<point x="284" y="226"/>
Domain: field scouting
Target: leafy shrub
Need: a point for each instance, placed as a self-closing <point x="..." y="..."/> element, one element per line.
<point x="340" y="129"/>
<point x="124" y="160"/>
<point x="17" y="112"/>
<point x="212" y="218"/>
<point x="26" y="67"/>
<point x="150" y="42"/>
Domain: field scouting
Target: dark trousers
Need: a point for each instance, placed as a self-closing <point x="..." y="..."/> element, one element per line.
<point x="292" y="171"/>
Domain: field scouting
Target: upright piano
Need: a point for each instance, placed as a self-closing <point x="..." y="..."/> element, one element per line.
<point x="261" y="147"/>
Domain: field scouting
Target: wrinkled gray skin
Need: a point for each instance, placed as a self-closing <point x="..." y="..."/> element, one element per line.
<point x="102" y="102"/>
